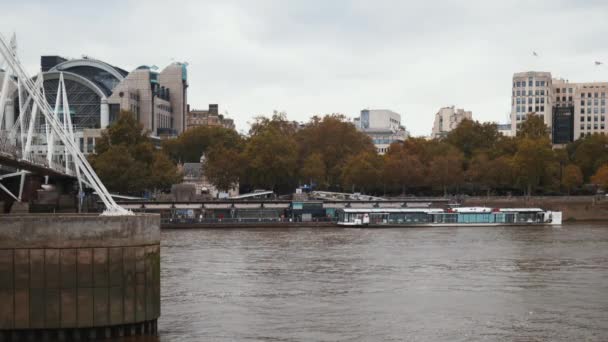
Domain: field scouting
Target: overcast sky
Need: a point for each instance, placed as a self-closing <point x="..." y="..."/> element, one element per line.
<point x="328" y="56"/>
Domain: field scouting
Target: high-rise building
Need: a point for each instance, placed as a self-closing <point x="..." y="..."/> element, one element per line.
<point x="382" y="126"/>
<point x="208" y="117"/>
<point x="448" y="118"/>
<point x="571" y="110"/>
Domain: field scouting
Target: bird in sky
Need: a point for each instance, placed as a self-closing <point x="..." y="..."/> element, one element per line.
<point x="534" y="54"/>
<point x="598" y="63"/>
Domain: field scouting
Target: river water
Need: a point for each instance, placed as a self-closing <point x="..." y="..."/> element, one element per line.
<point x="427" y="284"/>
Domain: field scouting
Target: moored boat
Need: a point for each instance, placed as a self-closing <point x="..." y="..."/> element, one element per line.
<point x="437" y="217"/>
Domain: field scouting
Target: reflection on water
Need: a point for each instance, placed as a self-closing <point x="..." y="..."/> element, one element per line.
<point x="428" y="284"/>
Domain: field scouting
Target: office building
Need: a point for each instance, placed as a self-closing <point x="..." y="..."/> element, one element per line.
<point x="208" y="117"/>
<point x="448" y="118"/>
<point x="382" y="126"/>
<point x="570" y="110"/>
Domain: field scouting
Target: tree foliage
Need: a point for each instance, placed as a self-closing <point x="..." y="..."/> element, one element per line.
<point x="572" y="177"/>
<point x="362" y="172"/>
<point x="126" y="161"/>
<point x="193" y="143"/>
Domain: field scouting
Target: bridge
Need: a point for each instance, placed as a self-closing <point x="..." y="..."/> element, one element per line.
<point x="37" y="123"/>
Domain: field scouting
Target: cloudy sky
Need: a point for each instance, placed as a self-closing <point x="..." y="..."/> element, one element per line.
<point x="328" y="56"/>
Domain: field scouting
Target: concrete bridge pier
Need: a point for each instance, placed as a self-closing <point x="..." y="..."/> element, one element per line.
<point x="77" y="277"/>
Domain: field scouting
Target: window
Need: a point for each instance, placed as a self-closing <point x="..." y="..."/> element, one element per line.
<point x="570" y="90"/>
<point x="518" y="93"/>
<point x="582" y="128"/>
<point x="589" y="95"/>
<point x="582" y="95"/>
<point x="582" y="110"/>
<point x="529" y="100"/>
<point x="542" y="92"/>
<point x="595" y="95"/>
<point x="569" y="98"/>
<point x="595" y="118"/>
<point x="529" y="109"/>
<point x="582" y="119"/>
<point x="564" y="98"/>
<point x="518" y="84"/>
<point x="557" y="99"/>
<point x="542" y="83"/>
<point x="602" y="118"/>
<point x="595" y="110"/>
<point x="588" y="110"/>
<point x="542" y="100"/>
<point x="557" y="90"/>
<point x="595" y="103"/>
<point x="588" y="126"/>
<point x="542" y="108"/>
<point x="589" y="119"/>
<point x="529" y="92"/>
<point x="537" y="100"/>
<point x="530" y="82"/>
<point x="582" y="102"/>
<point x="603" y="102"/>
<point x="537" y="92"/>
<point x="603" y="111"/>
<point x="536" y="109"/>
<point x="564" y="90"/>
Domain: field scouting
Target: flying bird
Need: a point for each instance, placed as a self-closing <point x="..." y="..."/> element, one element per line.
<point x="534" y="53"/>
<point x="598" y="63"/>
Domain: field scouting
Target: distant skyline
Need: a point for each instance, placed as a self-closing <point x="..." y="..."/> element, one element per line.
<point x="317" y="57"/>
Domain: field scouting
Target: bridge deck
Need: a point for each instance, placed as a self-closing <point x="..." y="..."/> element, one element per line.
<point x="9" y="160"/>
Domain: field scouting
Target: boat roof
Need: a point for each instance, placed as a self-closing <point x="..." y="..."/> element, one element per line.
<point x="437" y="210"/>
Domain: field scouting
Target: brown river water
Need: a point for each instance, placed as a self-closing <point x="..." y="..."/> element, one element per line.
<point x="408" y="284"/>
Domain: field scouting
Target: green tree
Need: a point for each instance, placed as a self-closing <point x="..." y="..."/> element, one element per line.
<point x="572" y="177"/>
<point x="470" y="136"/>
<point x="533" y="128"/>
<point x="362" y="171"/>
<point x="223" y="167"/>
<point x="126" y="161"/>
<point x="193" y="143"/>
<point x="534" y="163"/>
<point x="589" y="153"/>
<point x="270" y="157"/>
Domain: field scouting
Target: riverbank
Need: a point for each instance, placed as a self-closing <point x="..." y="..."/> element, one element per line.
<point x="262" y="224"/>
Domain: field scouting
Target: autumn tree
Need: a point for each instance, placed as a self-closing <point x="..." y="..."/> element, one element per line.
<point x="313" y="169"/>
<point x="445" y="170"/>
<point x="223" y="167"/>
<point x="589" y="153"/>
<point x="600" y="178"/>
<point x="402" y="169"/>
<point x="362" y="172"/>
<point x="335" y="140"/>
<point x="572" y="177"/>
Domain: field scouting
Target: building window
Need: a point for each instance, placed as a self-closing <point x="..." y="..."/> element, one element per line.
<point x="518" y="84"/>
<point x="595" y="95"/>
<point x="589" y="119"/>
<point x="542" y="108"/>
<point x="570" y="90"/>
<point x="588" y="110"/>
<point x="582" y="110"/>
<point x="537" y="100"/>
<point x="569" y="98"/>
<point x="529" y="92"/>
<point x="595" y="102"/>
<point x="536" y="108"/>
<point x="529" y="109"/>
<point x="582" y="102"/>
<point x="602" y="118"/>
<point x="557" y="90"/>
<point x="595" y="110"/>
<point x="564" y="98"/>
<point x="542" y="83"/>
<point x="582" y="119"/>
<point x="582" y="127"/>
<point x="529" y="100"/>
<point x="589" y="95"/>
<point x="564" y="90"/>
<point x="542" y="100"/>
<point x="557" y="99"/>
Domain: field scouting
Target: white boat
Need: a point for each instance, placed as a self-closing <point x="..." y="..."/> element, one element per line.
<point x="436" y="217"/>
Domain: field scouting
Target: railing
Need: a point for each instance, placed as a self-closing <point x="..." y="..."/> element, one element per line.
<point x="13" y="150"/>
<point x="220" y="221"/>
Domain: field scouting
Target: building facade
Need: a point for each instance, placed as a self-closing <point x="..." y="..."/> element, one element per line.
<point x="448" y="118"/>
<point x="97" y="91"/>
<point x="571" y="110"/>
<point x="208" y="117"/>
<point x="382" y="126"/>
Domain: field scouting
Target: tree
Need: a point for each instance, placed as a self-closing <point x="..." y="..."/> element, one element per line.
<point x="589" y="153"/>
<point x="362" y="171"/>
<point x="572" y="177"/>
<point x="336" y="140"/>
<point x="270" y="157"/>
<point x="313" y="170"/>
<point x="534" y="163"/>
<point x="223" y="167"/>
<point x="402" y="169"/>
<point x="600" y="177"/>
<point x="533" y="128"/>
<point x="193" y="143"/>
<point x="446" y="171"/>
<point x="126" y="161"/>
<point x="470" y="136"/>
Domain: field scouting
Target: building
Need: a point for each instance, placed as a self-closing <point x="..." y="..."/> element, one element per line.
<point x="209" y="117"/>
<point x="448" y="118"/>
<point x="571" y="110"/>
<point x="97" y="91"/>
<point x="382" y="126"/>
<point x="505" y="129"/>
<point x="194" y="174"/>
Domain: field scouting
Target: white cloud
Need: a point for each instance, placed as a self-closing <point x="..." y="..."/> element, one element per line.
<point x="311" y="57"/>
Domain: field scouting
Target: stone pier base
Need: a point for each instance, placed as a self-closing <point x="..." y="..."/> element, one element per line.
<point x="78" y="277"/>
